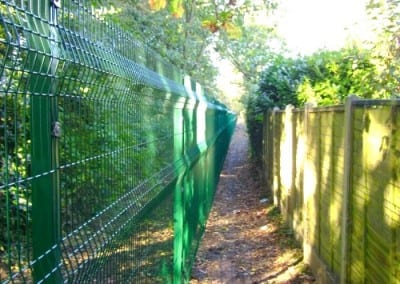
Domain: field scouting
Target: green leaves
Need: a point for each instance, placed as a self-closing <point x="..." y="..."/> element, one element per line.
<point x="223" y="21"/>
<point x="385" y="49"/>
<point x="175" y="6"/>
<point x="232" y="30"/>
<point x="157" y="5"/>
<point x="324" y="78"/>
<point x="210" y="24"/>
<point x="221" y="18"/>
<point x="280" y="79"/>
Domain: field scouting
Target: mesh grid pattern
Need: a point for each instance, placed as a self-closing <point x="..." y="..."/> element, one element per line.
<point x="97" y="132"/>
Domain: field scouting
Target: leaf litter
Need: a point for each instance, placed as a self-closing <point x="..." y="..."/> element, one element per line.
<point x="246" y="240"/>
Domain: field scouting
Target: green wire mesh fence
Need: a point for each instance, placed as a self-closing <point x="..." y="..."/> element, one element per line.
<point x="109" y="156"/>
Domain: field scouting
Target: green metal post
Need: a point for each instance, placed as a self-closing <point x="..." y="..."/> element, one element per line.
<point x="178" y="212"/>
<point x="187" y="187"/>
<point x="44" y="132"/>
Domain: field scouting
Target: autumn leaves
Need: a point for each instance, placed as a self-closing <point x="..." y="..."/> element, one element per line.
<point x="222" y="19"/>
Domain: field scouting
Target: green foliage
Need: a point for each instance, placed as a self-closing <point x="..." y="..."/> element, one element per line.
<point x="328" y="77"/>
<point x="180" y="40"/>
<point x="187" y="41"/>
<point x="333" y="75"/>
<point x="324" y="78"/>
<point x="250" y="52"/>
<point x="385" y="16"/>
<point x="277" y="88"/>
<point x="15" y="149"/>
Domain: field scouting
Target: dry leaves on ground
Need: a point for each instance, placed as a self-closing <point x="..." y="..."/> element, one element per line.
<point x="245" y="239"/>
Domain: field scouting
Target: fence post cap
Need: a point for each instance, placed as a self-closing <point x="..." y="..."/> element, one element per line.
<point x="310" y="104"/>
<point x="352" y="97"/>
<point x="289" y="107"/>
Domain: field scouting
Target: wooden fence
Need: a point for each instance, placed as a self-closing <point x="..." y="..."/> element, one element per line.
<point x="335" y="174"/>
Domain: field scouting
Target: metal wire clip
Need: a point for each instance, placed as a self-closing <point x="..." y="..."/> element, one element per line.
<point x="56" y="3"/>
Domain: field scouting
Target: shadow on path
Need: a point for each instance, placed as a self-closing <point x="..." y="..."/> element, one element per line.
<point x="244" y="241"/>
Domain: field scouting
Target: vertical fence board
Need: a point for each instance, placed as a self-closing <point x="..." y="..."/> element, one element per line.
<point x="350" y="162"/>
<point x="325" y="187"/>
<point x="311" y="179"/>
<point x="92" y="200"/>
<point x="336" y="203"/>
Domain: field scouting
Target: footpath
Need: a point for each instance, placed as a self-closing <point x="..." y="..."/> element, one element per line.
<point x="245" y="239"/>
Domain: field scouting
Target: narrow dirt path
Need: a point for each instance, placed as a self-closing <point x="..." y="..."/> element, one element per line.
<point x="245" y="241"/>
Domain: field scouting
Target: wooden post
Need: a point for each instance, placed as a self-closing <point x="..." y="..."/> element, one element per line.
<point x="287" y="169"/>
<point x="274" y="173"/>
<point x="347" y="185"/>
<point x="266" y="148"/>
<point x="306" y="242"/>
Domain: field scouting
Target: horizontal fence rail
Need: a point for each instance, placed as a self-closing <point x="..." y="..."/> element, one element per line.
<point x="334" y="173"/>
<point x="109" y="156"/>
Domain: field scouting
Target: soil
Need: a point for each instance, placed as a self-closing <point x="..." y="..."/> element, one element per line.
<point x="246" y="240"/>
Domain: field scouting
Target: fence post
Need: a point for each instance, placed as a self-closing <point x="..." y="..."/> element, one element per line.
<point x="267" y="149"/>
<point x="275" y="147"/>
<point x="347" y="185"/>
<point x="306" y="242"/>
<point x="44" y="133"/>
<point x="178" y="192"/>
<point x="287" y="173"/>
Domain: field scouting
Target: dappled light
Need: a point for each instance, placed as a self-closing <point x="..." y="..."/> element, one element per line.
<point x="116" y="119"/>
<point x="350" y="188"/>
<point x="105" y="176"/>
<point x="246" y="240"/>
<point x="287" y="153"/>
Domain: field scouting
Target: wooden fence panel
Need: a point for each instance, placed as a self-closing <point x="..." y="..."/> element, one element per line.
<point x="335" y="175"/>
<point x="372" y="233"/>
<point x="312" y="184"/>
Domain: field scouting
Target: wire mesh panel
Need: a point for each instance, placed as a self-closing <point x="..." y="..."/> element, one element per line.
<point x="98" y="141"/>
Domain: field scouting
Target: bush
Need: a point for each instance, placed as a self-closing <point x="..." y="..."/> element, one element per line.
<point x="324" y="78"/>
<point x="277" y="88"/>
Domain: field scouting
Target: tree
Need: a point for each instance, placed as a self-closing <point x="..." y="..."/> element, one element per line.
<point x="251" y="52"/>
<point x="385" y="16"/>
<point x="185" y="32"/>
<point x="277" y="88"/>
<point x="181" y="41"/>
